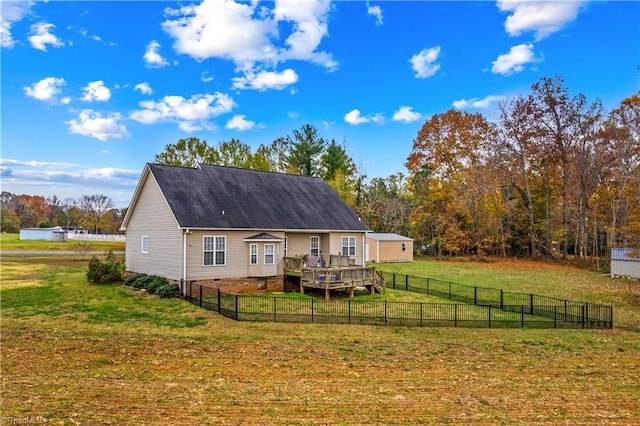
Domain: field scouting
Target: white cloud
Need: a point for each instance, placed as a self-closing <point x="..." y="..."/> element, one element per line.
<point x="355" y="117"/>
<point x="68" y="180"/>
<point x="152" y="57"/>
<point x="86" y="34"/>
<point x="94" y="124"/>
<point x="406" y="115"/>
<point x="475" y="103"/>
<point x="514" y="61"/>
<point x="375" y="11"/>
<point x="204" y="77"/>
<point x="423" y="63"/>
<point x="264" y="80"/>
<point x="10" y="13"/>
<point x="309" y="20"/>
<point x="240" y="122"/>
<point x="253" y="36"/>
<point x="542" y="17"/>
<point x="66" y="100"/>
<point x="96" y="91"/>
<point x="143" y="88"/>
<point x="46" y="89"/>
<point x="191" y="114"/>
<point x="40" y="36"/>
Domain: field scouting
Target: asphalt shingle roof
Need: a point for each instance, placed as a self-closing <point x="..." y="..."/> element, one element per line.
<point x="213" y="197"/>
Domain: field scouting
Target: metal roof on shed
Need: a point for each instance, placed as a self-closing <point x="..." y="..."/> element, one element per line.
<point x="625" y="254"/>
<point x="387" y="237"/>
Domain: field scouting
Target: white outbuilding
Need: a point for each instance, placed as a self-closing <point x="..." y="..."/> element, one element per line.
<point x="625" y="262"/>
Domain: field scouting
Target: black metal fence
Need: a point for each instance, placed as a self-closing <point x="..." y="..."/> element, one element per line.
<point x="586" y="315"/>
<point x="480" y="307"/>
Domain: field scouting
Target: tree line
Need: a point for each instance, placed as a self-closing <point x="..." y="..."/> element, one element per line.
<point x="553" y="174"/>
<point x="95" y="213"/>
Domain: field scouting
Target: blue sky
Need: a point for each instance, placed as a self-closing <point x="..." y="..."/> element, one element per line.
<point x="91" y="91"/>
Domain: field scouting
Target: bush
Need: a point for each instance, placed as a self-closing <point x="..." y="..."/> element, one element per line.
<point x="167" y="290"/>
<point x="151" y="283"/>
<point x="154" y="285"/>
<point x="109" y="271"/>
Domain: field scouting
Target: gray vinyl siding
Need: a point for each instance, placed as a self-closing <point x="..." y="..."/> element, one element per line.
<point x="151" y="216"/>
<point x="236" y="256"/>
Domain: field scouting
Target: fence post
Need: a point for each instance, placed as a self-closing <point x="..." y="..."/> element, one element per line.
<point x="200" y="303"/>
<point x="531" y="303"/>
<point x="455" y="315"/>
<point x="427" y="285"/>
<point x="489" y="316"/>
<point x="190" y="290"/>
<point x="522" y="315"/>
<point x="385" y="312"/>
<point x="449" y="290"/>
<point x="311" y="310"/>
<point x="394" y="280"/>
<point x="475" y="295"/>
<point x="349" y="306"/>
<point x="219" y="299"/>
<point x="582" y="316"/>
<point x="275" y="309"/>
<point x="611" y="317"/>
<point x="236" y="307"/>
<point x="421" y="305"/>
<point x="587" y="314"/>
<point x="565" y="310"/>
<point x="501" y="299"/>
<point x="555" y="316"/>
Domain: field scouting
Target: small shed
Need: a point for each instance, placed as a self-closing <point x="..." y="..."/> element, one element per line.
<point x="45" y="234"/>
<point x="387" y="247"/>
<point x="625" y="262"/>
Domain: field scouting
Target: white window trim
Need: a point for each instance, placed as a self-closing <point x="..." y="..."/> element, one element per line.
<point x="214" y="251"/>
<point x="144" y="244"/>
<point x="311" y="238"/>
<point x="273" y="254"/>
<point x="252" y="254"/>
<point x="349" y="246"/>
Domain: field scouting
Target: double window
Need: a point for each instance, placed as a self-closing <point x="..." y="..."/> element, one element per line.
<point x="214" y="250"/>
<point x="348" y="246"/>
<point x="269" y="254"/>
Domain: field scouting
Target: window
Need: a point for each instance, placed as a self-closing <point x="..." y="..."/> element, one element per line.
<point x="286" y="246"/>
<point x="253" y="254"/>
<point x="404" y="247"/>
<point x="315" y="246"/>
<point x="269" y="258"/>
<point x="145" y="244"/>
<point x="214" y="250"/>
<point x="348" y="246"/>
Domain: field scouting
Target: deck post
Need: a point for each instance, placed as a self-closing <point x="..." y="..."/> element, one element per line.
<point x="327" y="293"/>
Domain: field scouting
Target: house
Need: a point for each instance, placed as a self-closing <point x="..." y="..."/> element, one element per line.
<point x="46" y="234"/>
<point x="387" y="247"/>
<point x="625" y="262"/>
<point x="233" y="227"/>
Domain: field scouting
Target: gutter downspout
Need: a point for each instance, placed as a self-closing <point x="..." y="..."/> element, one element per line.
<point x="184" y="260"/>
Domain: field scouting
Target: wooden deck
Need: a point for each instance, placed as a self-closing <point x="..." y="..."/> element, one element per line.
<point x="334" y="277"/>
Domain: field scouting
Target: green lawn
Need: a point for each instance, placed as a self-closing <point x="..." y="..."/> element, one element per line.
<point x="12" y="242"/>
<point x="75" y="353"/>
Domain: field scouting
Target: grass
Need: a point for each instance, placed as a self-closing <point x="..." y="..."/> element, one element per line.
<point x="12" y="242"/>
<point x="75" y="353"/>
<point x="541" y="278"/>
